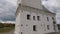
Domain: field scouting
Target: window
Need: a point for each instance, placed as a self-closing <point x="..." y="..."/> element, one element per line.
<point x="34" y="27"/>
<point x="48" y="27"/>
<point x="33" y="17"/>
<point x="21" y="33"/>
<point x="38" y="17"/>
<point x="28" y="17"/>
<point x="47" y="19"/>
<point x="54" y="22"/>
<point x="52" y="18"/>
<point x="21" y="24"/>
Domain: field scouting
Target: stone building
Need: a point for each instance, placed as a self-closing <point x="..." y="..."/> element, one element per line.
<point x="33" y="18"/>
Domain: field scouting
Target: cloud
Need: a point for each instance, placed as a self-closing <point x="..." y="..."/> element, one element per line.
<point x="7" y="11"/>
<point x="54" y="6"/>
<point x="12" y="1"/>
<point x="54" y="3"/>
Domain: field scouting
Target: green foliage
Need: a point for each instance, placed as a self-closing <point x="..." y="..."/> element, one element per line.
<point x="1" y="25"/>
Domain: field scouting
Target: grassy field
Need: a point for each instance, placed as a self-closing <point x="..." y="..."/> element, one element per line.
<point x="6" y="29"/>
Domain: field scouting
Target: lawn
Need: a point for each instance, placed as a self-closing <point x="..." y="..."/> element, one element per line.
<point x="6" y="29"/>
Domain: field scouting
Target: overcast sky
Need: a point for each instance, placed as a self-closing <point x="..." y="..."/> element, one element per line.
<point x="8" y="9"/>
<point x="54" y="6"/>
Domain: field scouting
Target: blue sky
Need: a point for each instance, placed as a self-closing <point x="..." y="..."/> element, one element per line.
<point x="8" y="9"/>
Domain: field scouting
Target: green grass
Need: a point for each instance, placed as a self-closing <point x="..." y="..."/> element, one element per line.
<point x="6" y="29"/>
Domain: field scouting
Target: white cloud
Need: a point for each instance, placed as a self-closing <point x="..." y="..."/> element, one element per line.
<point x="53" y="5"/>
<point x="12" y="1"/>
<point x="7" y="11"/>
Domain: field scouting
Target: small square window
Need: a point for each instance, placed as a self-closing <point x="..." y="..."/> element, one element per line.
<point x="28" y="17"/>
<point x="21" y="33"/>
<point x="54" y="22"/>
<point x="48" y="27"/>
<point x="33" y="17"/>
<point x="38" y="17"/>
<point x="52" y="18"/>
<point x="21" y="24"/>
<point x="47" y="19"/>
<point x="34" y="27"/>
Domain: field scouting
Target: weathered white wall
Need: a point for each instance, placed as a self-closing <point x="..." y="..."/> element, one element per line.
<point x="40" y="29"/>
<point x="27" y="27"/>
<point x="17" y="26"/>
<point x="30" y="7"/>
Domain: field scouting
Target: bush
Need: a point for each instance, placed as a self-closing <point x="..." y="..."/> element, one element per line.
<point x="1" y="25"/>
<point x="6" y="25"/>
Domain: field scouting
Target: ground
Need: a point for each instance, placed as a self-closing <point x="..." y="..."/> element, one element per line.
<point x="10" y="32"/>
<point x="7" y="30"/>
